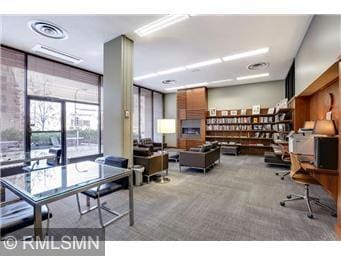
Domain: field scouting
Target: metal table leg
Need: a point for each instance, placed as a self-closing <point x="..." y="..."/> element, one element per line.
<point x="38" y="227"/>
<point x="131" y="200"/>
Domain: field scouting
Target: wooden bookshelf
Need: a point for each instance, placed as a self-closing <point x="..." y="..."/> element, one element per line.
<point x="252" y="133"/>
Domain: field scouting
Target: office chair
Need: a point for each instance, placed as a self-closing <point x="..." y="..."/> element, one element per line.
<point x="300" y="176"/>
<point x="103" y="190"/>
<point x="17" y="214"/>
<point x="285" y="158"/>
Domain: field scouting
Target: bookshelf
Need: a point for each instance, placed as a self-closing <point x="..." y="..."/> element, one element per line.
<point x="254" y="134"/>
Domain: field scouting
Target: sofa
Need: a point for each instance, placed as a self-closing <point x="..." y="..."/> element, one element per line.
<point x="153" y="146"/>
<point x="202" y="157"/>
<point x="150" y="161"/>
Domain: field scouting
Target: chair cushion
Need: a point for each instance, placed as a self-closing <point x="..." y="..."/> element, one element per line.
<point x="104" y="190"/>
<point x="140" y="151"/>
<point x="206" y="147"/>
<point x="18" y="215"/>
<point x="116" y="161"/>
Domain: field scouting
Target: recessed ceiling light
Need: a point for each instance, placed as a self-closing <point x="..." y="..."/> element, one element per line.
<point x="160" y="24"/>
<point x="252" y="76"/>
<point x="56" y="54"/>
<point x="48" y="29"/>
<point x="258" y="66"/>
<point x="145" y="76"/>
<point x="204" y="63"/>
<point x="169" y="81"/>
<point x="246" y="54"/>
<point x="172" y="70"/>
<point x="221" y="81"/>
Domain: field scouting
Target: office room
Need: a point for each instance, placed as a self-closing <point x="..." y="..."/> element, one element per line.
<point x="171" y="126"/>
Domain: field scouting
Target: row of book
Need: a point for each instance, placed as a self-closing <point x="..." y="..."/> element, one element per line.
<point x="228" y="127"/>
<point x="282" y="127"/>
<point x="234" y="120"/>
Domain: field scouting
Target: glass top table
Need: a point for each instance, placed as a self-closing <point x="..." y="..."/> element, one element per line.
<point x="23" y="157"/>
<point x="44" y="186"/>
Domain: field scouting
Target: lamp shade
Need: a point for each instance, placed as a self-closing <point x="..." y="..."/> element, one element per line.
<point x="166" y="126"/>
<point x="309" y="125"/>
<point x="325" y="127"/>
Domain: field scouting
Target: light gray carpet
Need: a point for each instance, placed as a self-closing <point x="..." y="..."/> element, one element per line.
<point x="238" y="200"/>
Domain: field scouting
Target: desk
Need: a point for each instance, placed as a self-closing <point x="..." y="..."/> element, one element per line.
<point x="45" y="186"/>
<point x="329" y="179"/>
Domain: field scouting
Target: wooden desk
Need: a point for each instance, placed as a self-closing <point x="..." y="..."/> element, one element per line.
<point x="329" y="179"/>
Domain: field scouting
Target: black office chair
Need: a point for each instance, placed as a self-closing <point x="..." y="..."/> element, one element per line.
<point x="51" y="162"/>
<point x="17" y="214"/>
<point x="106" y="189"/>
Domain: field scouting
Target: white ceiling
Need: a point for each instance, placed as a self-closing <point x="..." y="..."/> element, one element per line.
<point x="196" y="39"/>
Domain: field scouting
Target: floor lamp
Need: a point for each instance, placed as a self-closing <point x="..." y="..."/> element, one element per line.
<point x="165" y="126"/>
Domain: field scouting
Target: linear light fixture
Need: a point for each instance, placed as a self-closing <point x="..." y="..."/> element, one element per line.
<point x="221" y="81"/>
<point x="145" y="76"/>
<point x="246" y="54"/>
<point x="187" y="86"/>
<point x="56" y="54"/>
<point x="160" y="24"/>
<point x="172" y="70"/>
<point x="204" y="63"/>
<point x="252" y="76"/>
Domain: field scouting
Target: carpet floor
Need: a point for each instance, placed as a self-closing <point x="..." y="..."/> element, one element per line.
<point x="238" y="200"/>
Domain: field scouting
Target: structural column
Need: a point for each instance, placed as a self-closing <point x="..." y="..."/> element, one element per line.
<point x="117" y="97"/>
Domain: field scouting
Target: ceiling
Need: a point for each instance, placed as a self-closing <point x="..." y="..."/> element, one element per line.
<point x="196" y="39"/>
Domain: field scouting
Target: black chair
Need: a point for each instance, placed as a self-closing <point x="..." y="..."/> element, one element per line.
<point x="51" y="162"/>
<point x="17" y="214"/>
<point x="106" y="189"/>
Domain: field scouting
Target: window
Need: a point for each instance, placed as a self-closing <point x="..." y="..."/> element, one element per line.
<point x="12" y="125"/>
<point x="146" y="114"/>
<point x="147" y="109"/>
<point x="78" y="94"/>
<point x="136" y="113"/>
<point x="82" y="136"/>
<point x="157" y="114"/>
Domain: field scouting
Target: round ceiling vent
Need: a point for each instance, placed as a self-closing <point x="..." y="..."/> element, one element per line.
<point x="169" y="81"/>
<point x="48" y="29"/>
<point x="258" y="66"/>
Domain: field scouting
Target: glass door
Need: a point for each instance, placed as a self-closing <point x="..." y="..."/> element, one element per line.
<point x="45" y="121"/>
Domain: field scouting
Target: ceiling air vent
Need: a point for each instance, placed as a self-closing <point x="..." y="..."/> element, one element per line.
<point x="56" y="54"/>
<point x="48" y="29"/>
<point x="258" y="66"/>
<point x="169" y="81"/>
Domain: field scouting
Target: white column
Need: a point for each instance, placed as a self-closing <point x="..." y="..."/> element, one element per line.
<point x="117" y="96"/>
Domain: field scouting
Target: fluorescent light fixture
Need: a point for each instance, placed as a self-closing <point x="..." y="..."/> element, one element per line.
<point x="56" y="54"/>
<point x="246" y="54"/>
<point x="252" y="76"/>
<point x="145" y="76"/>
<point x="221" y="81"/>
<point x="160" y="24"/>
<point x="172" y="70"/>
<point x="204" y="63"/>
<point x="187" y="86"/>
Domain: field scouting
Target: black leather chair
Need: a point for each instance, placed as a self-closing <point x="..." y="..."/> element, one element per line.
<point x="17" y="214"/>
<point x="106" y="189"/>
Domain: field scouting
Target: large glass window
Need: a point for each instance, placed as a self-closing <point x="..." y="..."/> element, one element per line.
<point x="148" y="108"/>
<point x="12" y="102"/>
<point x="78" y="91"/>
<point x="146" y="114"/>
<point x="157" y="114"/>
<point x="82" y="136"/>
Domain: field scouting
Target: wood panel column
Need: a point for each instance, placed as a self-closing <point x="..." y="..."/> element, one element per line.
<point x="117" y="95"/>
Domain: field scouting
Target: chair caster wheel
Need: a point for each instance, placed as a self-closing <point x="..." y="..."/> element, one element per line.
<point x="334" y="214"/>
<point x="277" y="173"/>
<point x="289" y="196"/>
<point x="310" y="216"/>
<point x="282" y="203"/>
<point x="282" y="178"/>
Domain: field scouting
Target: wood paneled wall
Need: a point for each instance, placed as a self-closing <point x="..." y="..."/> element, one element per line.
<point x="338" y="225"/>
<point x="191" y="105"/>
